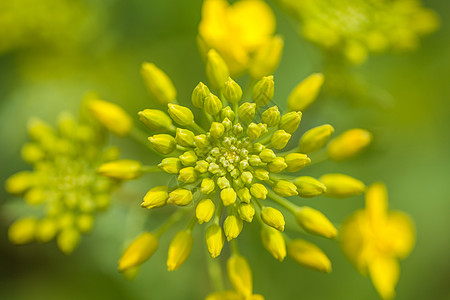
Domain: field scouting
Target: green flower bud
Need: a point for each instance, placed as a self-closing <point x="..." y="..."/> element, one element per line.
<point x="202" y="166"/>
<point x="180" y="114"/>
<point x="315" y="138"/>
<point x="188" y="175"/>
<point x="155" y="197"/>
<point x="267" y="155"/>
<point x="158" y="83"/>
<point x="227" y="124"/>
<point x="258" y="147"/>
<point x="204" y="211"/>
<point x="247" y="111"/>
<point x="246" y="211"/>
<point x="263" y="91"/>
<point x="262" y="174"/>
<point x="305" y="92"/>
<point x="237" y="129"/>
<point x="255" y="161"/>
<point x="163" y="143"/>
<point x="217" y="129"/>
<point x="244" y="195"/>
<point x="222" y="183"/>
<point x="259" y="191"/>
<point x="207" y="186"/>
<point x="280" y="139"/>
<point x="296" y="161"/>
<point x="227" y="112"/>
<point x="228" y="196"/>
<point x="232" y="91"/>
<point x="290" y="121"/>
<point x="277" y="165"/>
<point x="199" y="94"/>
<point x="201" y="141"/>
<point x="216" y="69"/>
<point x="212" y="104"/>
<point x="308" y="187"/>
<point x="171" y="165"/>
<point x="273" y="217"/>
<point x="184" y="137"/>
<point x="188" y="158"/>
<point x="253" y="131"/>
<point x="232" y="227"/>
<point x="271" y="116"/>
<point x="285" y="188"/>
<point x="180" y="197"/>
<point x="156" y="120"/>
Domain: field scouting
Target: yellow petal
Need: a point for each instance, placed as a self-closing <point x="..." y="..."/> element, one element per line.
<point x="376" y="202"/>
<point x="384" y="273"/>
<point x="401" y="234"/>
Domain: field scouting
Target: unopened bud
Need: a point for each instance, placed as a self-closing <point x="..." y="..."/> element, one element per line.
<point x="280" y="139"/>
<point x="309" y="255"/>
<point x="204" y="210"/>
<point x="124" y="169"/>
<point x="212" y="104"/>
<point x="180" y="197"/>
<point x="179" y="249"/>
<point x="285" y="188"/>
<point x="201" y="141"/>
<point x="277" y="165"/>
<point x="228" y="196"/>
<point x="240" y="275"/>
<point x="202" y="166"/>
<point x="290" y="121"/>
<point x="214" y="240"/>
<point x="232" y="227"/>
<point x="315" y="138"/>
<point x="170" y="165"/>
<point x="180" y="114"/>
<point x="158" y="84"/>
<point x="246" y="211"/>
<point x="216" y="69"/>
<point x="273" y="217"/>
<point x="199" y="94"/>
<point x="308" y="187"/>
<point x="19" y="182"/>
<point x="207" y="186"/>
<point x="247" y="111"/>
<point x="227" y="112"/>
<point x="111" y="116"/>
<point x="253" y="131"/>
<point x="271" y="116"/>
<point x="296" y="161"/>
<point x="188" y="175"/>
<point x="263" y="91"/>
<point x="217" y="129"/>
<point x="184" y="137"/>
<point x="139" y="251"/>
<point x="340" y="185"/>
<point x="273" y="242"/>
<point x="305" y="93"/>
<point x="259" y="191"/>
<point x="232" y="91"/>
<point x="262" y="174"/>
<point x="313" y="221"/>
<point x="22" y="231"/>
<point x="156" y="120"/>
<point x="156" y="197"/>
<point x="267" y="155"/>
<point x="188" y="158"/>
<point x="349" y="144"/>
<point x="163" y="143"/>
<point x="244" y="195"/>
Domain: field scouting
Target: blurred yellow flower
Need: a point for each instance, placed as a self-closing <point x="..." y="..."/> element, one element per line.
<point x="374" y="239"/>
<point x="238" y="31"/>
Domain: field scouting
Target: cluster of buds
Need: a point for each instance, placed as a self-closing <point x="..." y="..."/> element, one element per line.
<point x="63" y="188"/>
<point x="234" y="169"/>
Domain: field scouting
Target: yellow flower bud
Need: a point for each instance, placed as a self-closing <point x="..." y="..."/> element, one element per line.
<point x="32" y="153"/>
<point x="273" y="217"/>
<point x="202" y="166"/>
<point x="213" y="105"/>
<point x="290" y="121"/>
<point x="170" y="165"/>
<point x="244" y="195"/>
<point x="227" y="112"/>
<point x="232" y="227"/>
<point x="156" y="197"/>
<point x="179" y="249"/>
<point x="267" y="155"/>
<point x="188" y="158"/>
<point x="163" y="143"/>
<point x="277" y="165"/>
<point x="35" y="196"/>
<point x="232" y="91"/>
<point x="216" y="69"/>
<point x="313" y="221"/>
<point x="280" y="139"/>
<point x="266" y="59"/>
<point x="315" y="138"/>
<point x="273" y="242"/>
<point x="259" y="191"/>
<point x="184" y="137"/>
<point x="19" y="182"/>
<point x="123" y="169"/>
<point x="207" y="186"/>
<point x="223" y="182"/>
<point x="240" y="275"/>
<point x="158" y="84"/>
<point x="247" y="111"/>
<point x="296" y="161"/>
<point x="349" y="144"/>
<point x="227" y="124"/>
<point x="111" y="116"/>
<point x="305" y="92"/>
<point x="263" y="91"/>
<point x="38" y="129"/>
<point x="181" y="115"/>
<point x="285" y="188"/>
<point x="22" y="231"/>
<point x="253" y="131"/>
<point x="262" y="174"/>
<point x="228" y="196"/>
<point x="180" y="197"/>
<point x="309" y="255"/>
<point x="271" y="116"/>
<point x="156" y="120"/>
<point x="201" y="141"/>
<point x="199" y="94"/>
<point x="340" y="185"/>
<point x="85" y="222"/>
<point x="246" y="211"/>
<point x="247" y="177"/>
<point x="308" y="187"/>
<point x="205" y="210"/>
<point x="217" y="129"/>
<point x="214" y="240"/>
<point x="67" y="240"/>
<point x="46" y="230"/>
<point x="224" y="295"/>
<point x="188" y="175"/>
<point x="139" y="251"/>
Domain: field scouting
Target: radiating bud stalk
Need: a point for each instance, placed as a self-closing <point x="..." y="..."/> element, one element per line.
<point x="308" y="187"/>
<point x="156" y="197"/>
<point x="240" y="275"/>
<point x="232" y="91"/>
<point x="266" y="59"/>
<point x="201" y="91"/>
<point x="305" y="93"/>
<point x="273" y="241"/>
<point x="290" y="121"/>
<point x="158" y="84"/>
<point x="156" y="120"/>
<point x="285" y="188"/>
<point x="216" y="69"/>
<point x="163" y="143"/>
<point x="309" y="255"/>
<point x="313" y="221"/>
<point x="341" y="186"/>
<point x="180" y="114"/>
<point x="315" y="138"/>
<point x="296" y="161"/>
<point x="124" y="169"/>
<point x="179" y="249"/>
<point x="273" y="217"/>
<point x="139" y="251"/>
<point x="263" y="91"/>
<point x="349" y="144"/>
<point x="111" y="116"/>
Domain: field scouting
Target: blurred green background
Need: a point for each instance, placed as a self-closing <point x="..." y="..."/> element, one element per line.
<point x="99" y="45"/>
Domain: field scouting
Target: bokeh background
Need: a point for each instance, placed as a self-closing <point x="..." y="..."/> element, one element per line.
<point x="52" y="52"/>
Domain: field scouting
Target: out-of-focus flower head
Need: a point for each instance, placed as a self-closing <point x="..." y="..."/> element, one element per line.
<point x="63" y="189"/>
<point x="243" y="34"/>
<point x="374" y="239"/>
<point x="353" y="28"/>
<point x="232" y="168"/>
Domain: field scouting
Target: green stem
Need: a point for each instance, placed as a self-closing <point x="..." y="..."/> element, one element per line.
<point x="142" y="138"/>
<point x="294" y="150"/>
<point x="150" y="169"/>
<point x="318" y="157"/>
<point x="282" y="201"/>
<point x="218" y="213"/>
<point x="234" y="247"/>
<point x="197" y="128"/>
<point x="191" y="224"/>
<point x="215" y="272"/>
<point x="175" y="217"/>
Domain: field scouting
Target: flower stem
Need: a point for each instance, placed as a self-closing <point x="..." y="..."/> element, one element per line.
<point x="142" y="138"/>
<point x="282" y="201"/>
<point x="151" y="169"/>
<point x="175" y="217"/>
<point x="215" y="273"/>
